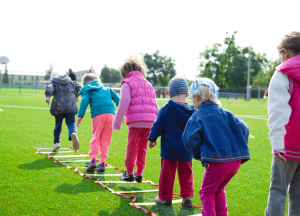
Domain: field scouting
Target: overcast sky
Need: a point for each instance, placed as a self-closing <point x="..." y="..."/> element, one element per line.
<point x="78" y="34"/>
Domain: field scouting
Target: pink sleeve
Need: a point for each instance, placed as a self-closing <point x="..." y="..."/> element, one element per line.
<point x="123" y="106"/>
<point x="275" y="152"/>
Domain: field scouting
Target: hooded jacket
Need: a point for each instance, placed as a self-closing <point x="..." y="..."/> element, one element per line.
<point x="63" y="91"/>
<point x="284" y="108"/>
<point x="169" y="125"/>
<point x="99" y="97"/>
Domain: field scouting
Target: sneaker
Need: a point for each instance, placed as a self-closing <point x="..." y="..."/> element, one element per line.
<point x="163" y="202"/>
<point x="187" y="202"/>
<point x="138" y="178"/>
<point x="75" y="141"/>
<point x="100" y="167"/>
<point x="56" y="146"/>
<point x="91" y="167"/>
<point x="126" y="177"/>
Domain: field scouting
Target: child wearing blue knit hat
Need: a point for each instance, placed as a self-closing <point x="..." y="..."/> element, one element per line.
<point x="169" y="125"/>
<point x="219" y="140"/>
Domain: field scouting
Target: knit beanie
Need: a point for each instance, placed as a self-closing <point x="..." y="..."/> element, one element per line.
<point x="177" y="86"/>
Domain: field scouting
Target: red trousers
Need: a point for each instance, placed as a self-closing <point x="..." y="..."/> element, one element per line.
<point x="136" y="149"/>
<point x="167" y="177"/>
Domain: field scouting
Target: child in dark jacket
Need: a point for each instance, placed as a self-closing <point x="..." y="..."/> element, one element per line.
<point x="219" y="140"/>
<point x="170" y="124"/>
<point x="63" y="106"/>
<point x="103" y="112"/>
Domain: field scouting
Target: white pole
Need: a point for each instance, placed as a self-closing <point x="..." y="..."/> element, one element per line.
<point x="248" y="81"/>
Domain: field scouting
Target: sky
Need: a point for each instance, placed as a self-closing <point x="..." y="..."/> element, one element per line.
<point x="80" y="34"/>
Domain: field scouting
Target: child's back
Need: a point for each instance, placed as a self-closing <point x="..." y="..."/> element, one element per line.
<point x="169" y="125"/>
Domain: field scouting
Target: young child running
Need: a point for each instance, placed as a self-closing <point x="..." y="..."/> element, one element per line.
<point x="102" y="111"/>
<point x="284" y="117"/>
<point x="63" y="106"/>
<point x="219" y="140"/>
<point x="169" y="125"/>
<point x="139" y="105"/>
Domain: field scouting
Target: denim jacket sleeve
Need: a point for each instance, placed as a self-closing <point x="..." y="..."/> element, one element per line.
<point x="192" y="138"/>
<point x="157" y="129"/>
<point x="243" y="126"/>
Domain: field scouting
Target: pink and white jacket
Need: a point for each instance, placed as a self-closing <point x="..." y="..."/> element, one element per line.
<point x="143" y="106"/>
<point x="284" y="109"/>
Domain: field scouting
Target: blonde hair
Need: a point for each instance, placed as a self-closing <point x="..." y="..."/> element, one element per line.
<point x="89" y="77"/>
<point x="133" y="64"/>
<point x="290" y="41"/>
<point x="205" y="93"/>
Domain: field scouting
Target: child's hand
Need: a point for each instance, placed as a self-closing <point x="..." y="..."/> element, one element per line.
<point x="47" y="100"/>
<point x="76" y="98"/>
<point x="152" y="144"/>
<point x="122" y="121"/>
<point x="280" y="157"/>
<point x="79" y="120"/>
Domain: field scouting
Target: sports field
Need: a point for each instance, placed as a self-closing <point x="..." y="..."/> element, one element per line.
<point x="32" y="184"/>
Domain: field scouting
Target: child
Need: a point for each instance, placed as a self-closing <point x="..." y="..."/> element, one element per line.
<point x="102" y="111"/>
<point x="219" y="140"/>
<point x="139" y="105"/>
<point x="170" y="124"/>
<point x="63" y="106"/>
<point x="284" y="116"/>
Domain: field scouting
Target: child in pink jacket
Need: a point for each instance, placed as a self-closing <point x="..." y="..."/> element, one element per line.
<point x="284" y="118"/>
<point x="138" y="104"/>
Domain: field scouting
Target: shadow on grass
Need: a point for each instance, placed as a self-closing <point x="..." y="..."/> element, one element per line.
<point x="39" y="164"/>
<point x="85" y="186"/>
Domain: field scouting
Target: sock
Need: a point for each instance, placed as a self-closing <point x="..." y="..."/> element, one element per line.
<point x="139" y="171"/>
<point x="93" y="160"/>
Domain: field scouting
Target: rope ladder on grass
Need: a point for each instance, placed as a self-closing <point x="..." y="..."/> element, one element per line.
<point x="102" y="183"/>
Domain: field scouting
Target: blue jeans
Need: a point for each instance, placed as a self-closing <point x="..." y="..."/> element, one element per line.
<point x="70" y="121"/>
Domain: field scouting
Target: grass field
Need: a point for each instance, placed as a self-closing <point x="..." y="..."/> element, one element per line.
<point x="32" y="184"/>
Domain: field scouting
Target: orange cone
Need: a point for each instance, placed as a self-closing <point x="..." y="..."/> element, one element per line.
<point x="236" y="102"/>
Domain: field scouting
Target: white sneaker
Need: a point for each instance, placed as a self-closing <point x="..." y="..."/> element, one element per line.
<point x="75" y="141"/>
<point x="56" y="146"/>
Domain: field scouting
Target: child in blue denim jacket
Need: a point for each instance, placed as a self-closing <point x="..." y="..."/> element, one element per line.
<point x="219" y="140"/>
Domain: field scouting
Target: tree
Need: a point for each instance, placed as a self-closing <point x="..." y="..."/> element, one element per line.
<point x="160" y="68"/>
<point x="105" y="75"/>
<point x="263" y="77"/>
<point x="227" y="64"/>
<point x="48" y="72"/>
<point x="115" y="76"/>
<point x="5" y="76"/>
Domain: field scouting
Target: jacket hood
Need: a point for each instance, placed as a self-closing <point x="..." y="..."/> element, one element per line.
<point x="63" y="80"/>
<point x="291" y="67"/>
<point x="92" y="86"/>
<point x="182" y="112"/>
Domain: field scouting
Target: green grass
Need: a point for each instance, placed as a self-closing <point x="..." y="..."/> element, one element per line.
<point x="32" y="184"/>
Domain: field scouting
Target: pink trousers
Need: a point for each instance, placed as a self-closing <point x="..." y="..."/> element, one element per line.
<point x="136" y="149"/>
<point x="212" y="193"/>
<point x="167" y="177"/>
<point x="102" y="133"/>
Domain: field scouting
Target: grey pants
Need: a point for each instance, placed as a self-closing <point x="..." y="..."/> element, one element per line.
<point x="284" y="175"/>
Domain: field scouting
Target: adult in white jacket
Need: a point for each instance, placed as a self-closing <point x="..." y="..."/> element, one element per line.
<point x="284" y="125"/>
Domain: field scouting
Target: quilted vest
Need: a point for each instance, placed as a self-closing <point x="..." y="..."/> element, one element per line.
<point x="142" y="105"/>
